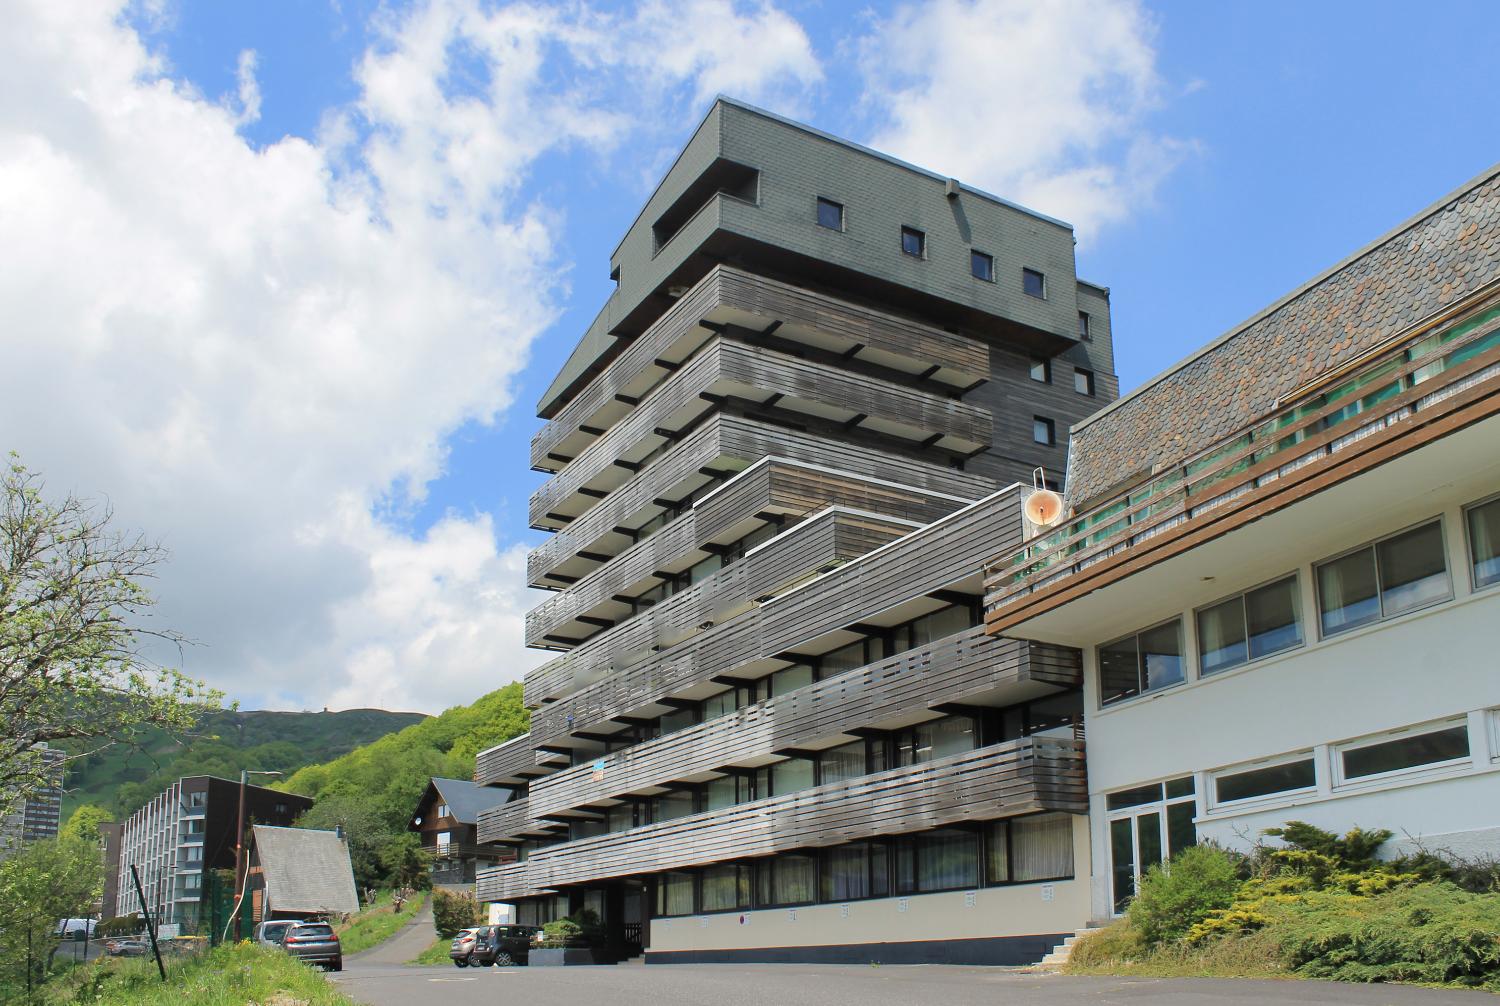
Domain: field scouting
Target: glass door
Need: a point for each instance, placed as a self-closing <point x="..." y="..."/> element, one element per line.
<point x="1147" y="825"/>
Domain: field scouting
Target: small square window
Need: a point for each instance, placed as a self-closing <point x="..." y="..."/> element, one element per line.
<point x="830" y="214"/>
<point x="1043" y="431"/>
<point x="1083" y="382"/>
<point x="1083" y="326"/>
<point x="982" y="266"/>
<point x="1041" y="370"/>
<point x="913" y="242"/>
<point x="1033" y="284"/>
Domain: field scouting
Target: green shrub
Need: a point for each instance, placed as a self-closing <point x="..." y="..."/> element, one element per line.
<point x="1175" y="896"/>
<point x="452" y="912"/>
<point x="1118" y="941"/>
<point x="120" y="925"/>
<point x="582" y="929"/>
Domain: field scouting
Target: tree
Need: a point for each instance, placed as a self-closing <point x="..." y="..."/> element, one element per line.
<point x="41" y="884"/>
<point x="84" y="823"/>
<point x="72" y="606"/>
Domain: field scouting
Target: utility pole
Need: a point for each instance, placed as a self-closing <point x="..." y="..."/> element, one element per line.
<point x="150" y="926"/>
<point x="241" y="868"/>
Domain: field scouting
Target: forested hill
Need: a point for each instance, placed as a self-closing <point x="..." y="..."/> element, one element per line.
<point x="225" y="741"/>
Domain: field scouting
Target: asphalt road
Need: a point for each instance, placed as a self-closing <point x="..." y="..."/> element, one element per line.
<point x="798" y="985"/>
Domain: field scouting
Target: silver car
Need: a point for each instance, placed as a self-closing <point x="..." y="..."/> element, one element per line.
<point x="269" y="934"/>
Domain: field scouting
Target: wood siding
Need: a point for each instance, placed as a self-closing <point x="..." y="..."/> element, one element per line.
<point x="514" y="762"/>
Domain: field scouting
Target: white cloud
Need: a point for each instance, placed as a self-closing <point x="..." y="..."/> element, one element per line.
<point x="1043" y="103"/>
<point x="246" y="349"/>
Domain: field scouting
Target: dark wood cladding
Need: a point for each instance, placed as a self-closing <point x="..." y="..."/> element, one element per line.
<point x="729" y="442"/>
<point x="1003" y="780"/>
<point x="513" y="821"/>
<point x="787" y="489"/>
<point x="930" y="559"/>
<point x="955" y="669"/>
<point x="727" y="293"/>
<point x="510" y="880"/>
<point x="513" y="763"/>
<point x="723" y="367"/>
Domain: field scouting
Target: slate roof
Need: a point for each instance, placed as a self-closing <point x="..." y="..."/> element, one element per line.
<point x="466" y="799"/>
<point x="305" y="870"/>
<point x="1432" y="261"/>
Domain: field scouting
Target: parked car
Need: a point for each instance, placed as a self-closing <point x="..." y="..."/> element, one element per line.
<point x="502" y="945"/>
<point x="314" y="943"/>
<point x="462" y="946"/>
<point x="76" y="929"/>
<point x="127" y="946"/>
<point x="269" y="934"/>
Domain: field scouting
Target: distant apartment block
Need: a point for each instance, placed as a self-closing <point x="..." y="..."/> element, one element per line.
<point x="180" y="834"/>
<point x="40" y="816"/>
<point x="779" y="460"/>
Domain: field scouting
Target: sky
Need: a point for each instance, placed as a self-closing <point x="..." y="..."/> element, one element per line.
<point x="281" y="281"/>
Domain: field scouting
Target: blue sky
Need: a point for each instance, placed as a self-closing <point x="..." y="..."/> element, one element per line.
<point x="341" y="247"/>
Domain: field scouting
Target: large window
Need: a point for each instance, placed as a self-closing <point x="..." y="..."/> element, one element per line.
<point x="726" y="888"/>
<point x="1141" y="663"/>
<point x="1400" y="574"/>
<point x="1484" y="542"/>
<point x="670" y="806"/>
<point x="674" y="894"/>
<point x="1147" y="824"/>
<point x="788" y="879"/>
<point x="939" y="860"/>
<point x="1409" y="750"/>
<point x="1041" y="848"/>
<point x="926" y="742"/>
<point x="1248" y="627"/>
<point x="857" y="870"/>
<point x="792" y="776"/>
<point x="844" y="762"/>
<point x="726" y="792"/>
<point x="791" y="678"/>
<point x="1287" y="776"/>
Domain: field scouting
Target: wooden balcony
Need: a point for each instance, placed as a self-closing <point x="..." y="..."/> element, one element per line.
<point x="506" y="883"/>
<point x="1003" y="780"/>
<point x="772" y="490"/>
<point x="817" y="544"/>
<point x="727" y="296"/>
<point x="968" y="667"/>
<point x="1426" y="384"/>
<point x="514" y="821"/>
<point x="722" y="445"/>
<point x="874" y="586"/>
<point x="514" y="763"/>
<point x="723" y="369"/>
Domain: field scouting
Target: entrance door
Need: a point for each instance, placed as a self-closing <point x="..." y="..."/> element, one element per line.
<point x="1147" y="824"/>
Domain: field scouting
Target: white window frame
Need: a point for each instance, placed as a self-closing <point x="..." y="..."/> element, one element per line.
<point x="1301" y="609"/>
<point x="1432" y="768"/>
<point x="1158" y="807"/>
<point x="1211" y="796"/>
<point x="1493" y="718"/>
<point x="1474" y="587"/>
<point x="1441" y="520"/>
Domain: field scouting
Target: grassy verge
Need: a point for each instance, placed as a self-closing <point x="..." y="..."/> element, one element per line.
<point x="435" y="954"/>
<point x="231" y="975"/>
<point x="377" y="923"/>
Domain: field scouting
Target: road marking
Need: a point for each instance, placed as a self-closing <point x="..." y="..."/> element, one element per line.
<point x="469" y="979"/>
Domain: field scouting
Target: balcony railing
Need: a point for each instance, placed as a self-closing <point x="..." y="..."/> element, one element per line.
<point x="1427" y="383"/>
<point x="513" y="821"/>
<point x="954" y="669"/>
<point x="1003" y="780"/>
<point x="506" y="882"/>
<point x="464" y="850"/>
<point x="513" y="763"/>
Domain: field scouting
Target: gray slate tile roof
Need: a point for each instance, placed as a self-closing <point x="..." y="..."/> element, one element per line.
<point x="305" y="870"/>
<point x="1432" y="261"/>
<point x="466" y="799"/>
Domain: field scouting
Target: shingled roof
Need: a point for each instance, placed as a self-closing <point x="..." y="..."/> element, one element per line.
<point x="1431" y="262"/>
<point x="305" y="870"/>
<point x="465" y="799"/>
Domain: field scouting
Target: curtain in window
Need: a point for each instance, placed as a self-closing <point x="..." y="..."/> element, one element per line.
<point x="1042" y="847"/>
<point x="791" y="776"/>
<point x="725" y="888"/>
<point x="793" y="882"/>
<point x="846" y="872"/>
<point x="1347" y="592"/>
<point x="1221" y="636"/>
<point x="997" y="866"/>
<point x="1271" y="618"/>
<point x="947" y="859"/>
<point x="1413" y="572"/>
<point x="840" y="763"/>
<point x="674" y="894"/>
<point x="1484" y="543"/>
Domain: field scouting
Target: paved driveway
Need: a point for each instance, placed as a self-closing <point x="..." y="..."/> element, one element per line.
<point x="798" y="985"/>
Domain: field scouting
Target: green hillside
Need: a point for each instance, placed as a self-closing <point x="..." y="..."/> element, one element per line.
<point x="121" y="779"/>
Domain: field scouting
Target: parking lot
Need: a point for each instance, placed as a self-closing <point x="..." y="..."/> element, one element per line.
<point x="798" y="985"/>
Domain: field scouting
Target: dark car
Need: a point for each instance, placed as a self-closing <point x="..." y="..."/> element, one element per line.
<point x="502" y="945"/>
<point x="314" y="943"/>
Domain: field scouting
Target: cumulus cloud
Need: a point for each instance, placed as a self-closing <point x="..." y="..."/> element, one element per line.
<point x="251" y="350"/>
<point x="1047" y="104"/>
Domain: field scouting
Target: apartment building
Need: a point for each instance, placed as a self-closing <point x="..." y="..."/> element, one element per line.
<point x="187" y="829"/>
<point x="1281" y="566"/>
<point x="778" y="461"/>
<point x="39" y="816"/>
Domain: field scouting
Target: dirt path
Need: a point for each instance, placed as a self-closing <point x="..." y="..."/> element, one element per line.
<point x="408" y="941"/>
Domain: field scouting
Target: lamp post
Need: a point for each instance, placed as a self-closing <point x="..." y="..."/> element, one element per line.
<point x="241" y="873"/>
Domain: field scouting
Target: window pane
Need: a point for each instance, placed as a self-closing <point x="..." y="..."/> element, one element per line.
<point x="1407" y="752"/>
<point x="845" y="658"/>
<point x="1083" y="325"/>
<point x="1122" y="860"/>
<point x="674" y="894"/>
<point x="1271" y="618"/>
<point x="830" y="214"/>
<point x="1041" y="430"/>
<point x="1148" y="839"/>
<point x="982" y="266"/>
<point x="947" y="859"/>
<point x="952" y="735"/>
<point x="880" y="881"/>
<point x="912" y="241"/>
<point x="906" y="864"/>
<point x="1221" y="636"/>
<point x="1119" y="671"/>
<point x="721" y="704"/>
<point x="791" y="679"/>
<point x="724" y="888"/>
<point x="1134" y="797"/>
<point x="793" y="882"/>
<point x="791" y="775"/>
<point x="1181" y="833"/>
<point x="1412" y="571"/>
<point x="845" y="762"/>
<point x="1083" y="382"/>
<point x="1347" y="594"/>
<point x="1264" y="781"/>
<point x="1484" y="543"/>
<point x="1180" y="787"/>
<point x="1033" y="283"/>
<point x="721" y="793"/>
<point x="1042" y="847"/>
<point x="677" y="720"/>
<point x="670" y="806"/>
<point x="1041" y="370"/>
<point x="997" y="866"/>
<point x="846" y="872"/>
<point x="1161" y="655"/>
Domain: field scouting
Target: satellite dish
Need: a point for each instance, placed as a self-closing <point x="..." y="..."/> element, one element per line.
<point x="1043" y="507"/>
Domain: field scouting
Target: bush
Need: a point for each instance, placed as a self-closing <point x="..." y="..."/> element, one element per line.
<point x="1118" y="941"/>
<point x="580" y="930"/>
<point x="1176" y="896"/>
<point x="120" y="925"/>
<point x="452" y="912"/>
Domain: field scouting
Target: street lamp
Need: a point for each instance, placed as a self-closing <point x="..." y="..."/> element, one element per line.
<point x="241" y="874"/>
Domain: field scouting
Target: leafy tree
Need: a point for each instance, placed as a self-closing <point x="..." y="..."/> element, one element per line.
<point x="84" y="823"/>
<point x="452" y="912"/>
<point x="72" y="603"/>
<point x="41" y="884"/>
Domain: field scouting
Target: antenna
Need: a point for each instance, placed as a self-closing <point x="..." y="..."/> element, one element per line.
<point x="1043" y="507"/>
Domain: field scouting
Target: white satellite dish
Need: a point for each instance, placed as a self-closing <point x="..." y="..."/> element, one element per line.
<point x="1043" y="507"/>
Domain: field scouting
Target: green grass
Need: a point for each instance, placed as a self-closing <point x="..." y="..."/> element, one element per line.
<point x="231" y="975"/>
<point x="377" y="923"/>
<point x="435" y="954"/>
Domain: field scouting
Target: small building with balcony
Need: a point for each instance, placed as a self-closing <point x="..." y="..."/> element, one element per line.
<point x="446" y="820"/>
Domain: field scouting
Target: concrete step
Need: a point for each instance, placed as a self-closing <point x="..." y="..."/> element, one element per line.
<point x="1064" y="950"/>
